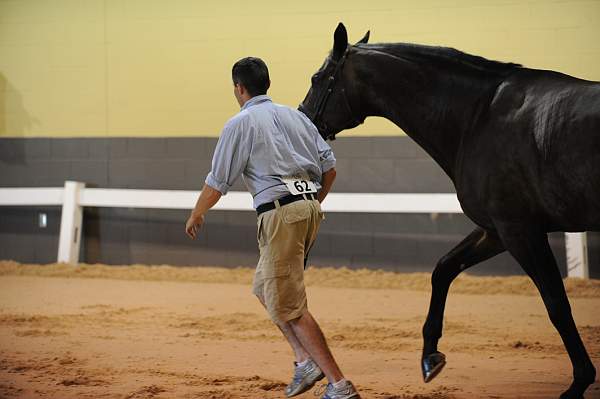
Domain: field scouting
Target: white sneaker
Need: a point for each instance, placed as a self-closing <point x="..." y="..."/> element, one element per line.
<point x="347" y="391"/>
<point x="305" y="377"/>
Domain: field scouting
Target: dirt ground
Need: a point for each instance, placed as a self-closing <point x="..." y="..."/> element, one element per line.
<point x="97" y="331"/>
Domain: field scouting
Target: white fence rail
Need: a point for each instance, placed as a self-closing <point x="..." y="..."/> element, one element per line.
<point x="74" y="196"/>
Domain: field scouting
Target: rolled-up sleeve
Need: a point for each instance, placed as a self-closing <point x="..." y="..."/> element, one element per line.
<point x="326" y="157"/>
<point x="230" y="157"/>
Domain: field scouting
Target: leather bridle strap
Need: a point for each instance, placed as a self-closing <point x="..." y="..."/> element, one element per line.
<point x="324" y="97"/>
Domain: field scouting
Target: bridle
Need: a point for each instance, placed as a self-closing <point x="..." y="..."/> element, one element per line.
<point x="323" y="97"/>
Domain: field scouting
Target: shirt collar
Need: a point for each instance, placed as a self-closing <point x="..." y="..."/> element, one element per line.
<point x="256" y="100"/>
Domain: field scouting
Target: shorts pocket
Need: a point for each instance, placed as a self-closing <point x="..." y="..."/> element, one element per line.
<point x="276" y="269"/>
<point x="295" y="212"/>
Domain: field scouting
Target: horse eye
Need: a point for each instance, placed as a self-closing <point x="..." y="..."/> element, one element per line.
<point x="314" y="78"/>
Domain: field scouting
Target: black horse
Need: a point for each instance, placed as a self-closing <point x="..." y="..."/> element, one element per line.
<point x="522" y="147"/>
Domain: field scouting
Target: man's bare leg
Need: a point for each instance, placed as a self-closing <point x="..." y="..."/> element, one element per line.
<point x="299" y="352"/>
<point x="311" y="338"/>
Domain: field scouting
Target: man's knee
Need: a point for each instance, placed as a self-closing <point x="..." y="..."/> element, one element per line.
<point x="297" y="318"/>
<point x="286" y="317"/>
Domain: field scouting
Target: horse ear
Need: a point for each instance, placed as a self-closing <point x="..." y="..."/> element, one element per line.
<point x="365" y="38"/>
<point x="340" y="41"/>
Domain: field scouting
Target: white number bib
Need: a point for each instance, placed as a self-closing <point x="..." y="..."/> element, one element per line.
<point x="299" y="185"/>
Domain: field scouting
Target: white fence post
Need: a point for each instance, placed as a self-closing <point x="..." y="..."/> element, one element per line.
<point x="577" y="255"/>
<point x="70" y="223"/>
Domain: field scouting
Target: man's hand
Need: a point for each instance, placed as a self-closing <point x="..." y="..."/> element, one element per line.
<point x="326" y="183"/>
<point x="193" y="225"/>
<point x="207" y="199"/>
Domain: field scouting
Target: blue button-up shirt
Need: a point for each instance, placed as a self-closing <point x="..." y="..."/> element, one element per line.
<point x="264" y="142"/>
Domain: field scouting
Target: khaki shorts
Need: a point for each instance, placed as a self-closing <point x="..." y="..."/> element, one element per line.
<point x="285" y="235"/>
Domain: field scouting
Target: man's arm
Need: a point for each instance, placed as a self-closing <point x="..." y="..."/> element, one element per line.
<point x="207" y="199"/>
<point x="326" y="183"/>
<point x="327" y="161"/>
<point x="229" y="160"/>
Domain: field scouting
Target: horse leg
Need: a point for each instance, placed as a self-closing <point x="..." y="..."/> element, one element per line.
<point x="532" y="251"/>
<point x="476" y="247"/>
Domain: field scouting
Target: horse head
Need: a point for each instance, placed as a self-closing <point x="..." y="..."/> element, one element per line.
<point x="329" y="100"/>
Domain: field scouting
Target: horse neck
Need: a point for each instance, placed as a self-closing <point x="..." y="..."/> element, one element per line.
<point x="434" y="107"/>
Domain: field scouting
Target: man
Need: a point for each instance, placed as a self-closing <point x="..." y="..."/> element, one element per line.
<point x="288" y="168"/>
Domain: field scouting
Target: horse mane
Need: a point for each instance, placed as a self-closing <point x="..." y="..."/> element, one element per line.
<point x="442" y="56"/>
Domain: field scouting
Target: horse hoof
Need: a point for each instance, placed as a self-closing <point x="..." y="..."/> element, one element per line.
<point x="570" y="395"/>
<point x="579" y="386"/>
<point x="432" y="364"/>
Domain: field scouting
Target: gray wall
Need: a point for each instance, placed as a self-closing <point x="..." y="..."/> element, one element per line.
<point x="381" y="164"/>
<point x="403" y="242"/>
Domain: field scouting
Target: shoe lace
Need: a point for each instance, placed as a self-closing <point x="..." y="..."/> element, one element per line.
<point x="321" y="389"/>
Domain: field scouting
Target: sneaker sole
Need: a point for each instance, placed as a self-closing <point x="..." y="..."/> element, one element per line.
<point x="354" y="395"/>
<point x="308" y="386"/>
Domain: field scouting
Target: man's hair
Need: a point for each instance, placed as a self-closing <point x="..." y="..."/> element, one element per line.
<point x="252" y="73"/>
